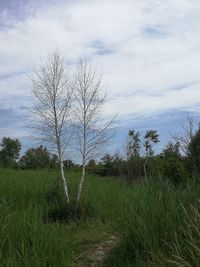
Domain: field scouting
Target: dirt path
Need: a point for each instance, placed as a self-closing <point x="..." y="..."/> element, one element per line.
<point x="95" y="256"/>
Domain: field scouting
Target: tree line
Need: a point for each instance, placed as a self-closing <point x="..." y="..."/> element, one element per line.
<point x="177" y="162"/>
<point x="33" y="158"/>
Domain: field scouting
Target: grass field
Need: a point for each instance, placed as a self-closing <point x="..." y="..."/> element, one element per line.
<point x="158" y="225"/>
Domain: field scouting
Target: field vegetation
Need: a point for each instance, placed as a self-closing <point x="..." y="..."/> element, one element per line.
<point x="143" y="205"/>
<point x="158" y="224"/>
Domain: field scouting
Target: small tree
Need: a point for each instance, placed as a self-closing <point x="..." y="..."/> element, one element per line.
<point x="92" y="131"/>
<point x="150" y="139"/>
<point x="188" y="131"/>
<point x="107" y="160"/>
<point x="134" y="144"/>
<point x="92" y="163"/>
<point x="194" y="151"/>
<point x="171" y="163"/>
<point x="38" y="157"/>
<point x="54" y="161"/>
<point x="10" y="151"/>
<point x="53" y="92"/>
<point x="68" y="163"/>
<point x="171" y="150"/>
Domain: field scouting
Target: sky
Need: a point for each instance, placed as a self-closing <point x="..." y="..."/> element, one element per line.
<point x="148" y="50"/>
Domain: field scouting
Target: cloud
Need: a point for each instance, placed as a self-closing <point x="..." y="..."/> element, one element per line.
<point x="11" y="123"/>
<point x="148" y="49"/>
<point x="154" y="31"/>
<point x="100" y="48"/>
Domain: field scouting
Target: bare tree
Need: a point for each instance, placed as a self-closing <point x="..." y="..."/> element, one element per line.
<point x="92" y="130"/>
<point x="188" y="130"/>
<point x="51" y="113"/>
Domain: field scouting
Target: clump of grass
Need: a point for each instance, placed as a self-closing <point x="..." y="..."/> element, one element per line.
<point x="153" y="229"/>
<point x="186" y="248"/>
<point x="61" y="211"/>
<point x="25" y="240"/>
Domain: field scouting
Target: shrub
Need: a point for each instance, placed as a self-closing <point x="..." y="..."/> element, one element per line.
<point x="174" y="170"/>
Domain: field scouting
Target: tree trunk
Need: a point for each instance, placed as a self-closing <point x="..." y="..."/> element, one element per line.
<point x="80" y="186"/>
<point x="64" y="182"/>
<point x="145" y="171"/>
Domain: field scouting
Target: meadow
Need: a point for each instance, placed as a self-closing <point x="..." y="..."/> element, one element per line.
<point x="157" y="224"/>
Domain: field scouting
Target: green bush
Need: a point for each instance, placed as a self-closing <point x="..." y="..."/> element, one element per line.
<point x="174" y="170"/>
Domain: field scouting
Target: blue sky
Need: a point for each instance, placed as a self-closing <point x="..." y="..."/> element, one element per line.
<point x="149" y="52"/>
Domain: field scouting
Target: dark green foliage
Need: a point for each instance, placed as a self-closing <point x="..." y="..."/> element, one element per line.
<point x="110" y="165"/>
<point x="11" y="147"/>
<point x="171" y="151"/>
<point x="134" y="144"/>
<point x="171" y="165"/>
<point x="91" y="163"/>
<point x="92" y="166"/>
<point x="54" y="162"/>
<point x="194" y="152"/>
<point x="68" y="164"/>
<point x="151" y="138"/>
<point x="174" y="170"/>
<point x="61" y="211"/>
<point x="10" y="152"/>
<point x="132" y="169"/>
<point x="36" y="158"/>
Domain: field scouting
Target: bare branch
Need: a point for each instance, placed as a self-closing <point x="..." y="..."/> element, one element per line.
<point x="188" y="131"/>
<point x="91" y="131"/>
<point x="51" y="115"/>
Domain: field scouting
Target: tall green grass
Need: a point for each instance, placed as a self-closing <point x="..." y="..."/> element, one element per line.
<point x="25" y="239"/>
<point x="161" y="228"/>
<point x="159" y="225"/>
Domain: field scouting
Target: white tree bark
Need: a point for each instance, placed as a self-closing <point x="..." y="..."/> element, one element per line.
<point x="92" y="131"/>
<point x="64" y="182"/>
<point x="80" y="187"/>
<point x="51" y="115"/>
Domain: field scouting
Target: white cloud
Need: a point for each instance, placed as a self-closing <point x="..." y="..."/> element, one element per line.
<point x="155" y="48"/>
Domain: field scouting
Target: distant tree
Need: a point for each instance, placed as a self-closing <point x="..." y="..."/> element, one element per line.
<point x="68" y="163"/>
<point x="10" y="151"/>
<point x="118" y="164"/>
<point x="184" y="139"/>
<point x="54" y="161"/>
<point x="171" y="164"/>
<point x="194" y="151"/>
<point x="51" y="114"/>
<point x="107" y="159"/>
<point x="150" y="139"/>
<point x="36" y="158"/>
<point x="91" y="163"/>
<point x="174" y="170"/>
<point x="171" y="150"/>
<point x="133" y="169"/>
<point x="134" y="144"/>
<point x="110" y="165"/>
